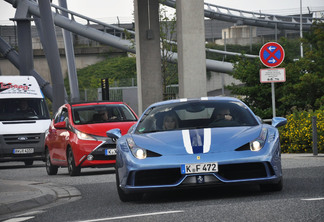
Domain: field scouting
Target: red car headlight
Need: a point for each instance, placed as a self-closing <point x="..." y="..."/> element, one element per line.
<point x="84" y="136"/>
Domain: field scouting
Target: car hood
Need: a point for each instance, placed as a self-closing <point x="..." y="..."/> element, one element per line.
<point x="197" y="140"/>
<point x="100" y="129"/>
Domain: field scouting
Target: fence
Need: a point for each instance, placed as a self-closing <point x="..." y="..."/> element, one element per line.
<point x="116" y="93"/>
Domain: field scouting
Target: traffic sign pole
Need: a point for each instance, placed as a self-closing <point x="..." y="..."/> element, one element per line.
<point x="273" y="100"/>
<point x="272" y="55"/>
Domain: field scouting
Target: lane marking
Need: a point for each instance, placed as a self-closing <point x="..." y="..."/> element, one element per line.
<point x="135" y="215"/>
<point x="31" y="213"/>
<point x="18" y="219"/>
<point x="312" y="199"/>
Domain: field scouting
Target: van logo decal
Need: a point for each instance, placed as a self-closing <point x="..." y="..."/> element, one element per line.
<point x="4" y="86"/>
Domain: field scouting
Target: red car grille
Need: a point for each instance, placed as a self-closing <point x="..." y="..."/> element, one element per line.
<point x="99" y="154"/>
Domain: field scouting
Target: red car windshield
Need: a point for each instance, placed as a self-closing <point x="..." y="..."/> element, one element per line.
<point x="92" y="114"/>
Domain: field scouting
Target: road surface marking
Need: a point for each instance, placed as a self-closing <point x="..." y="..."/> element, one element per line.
<point x="135" y="215"/>
<point x="311" y="199"/>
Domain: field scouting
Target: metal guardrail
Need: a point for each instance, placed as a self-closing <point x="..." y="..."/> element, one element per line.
<point x="262" y="19"/>
<point x="89" y="21"/>
<point x="73" y="15"/>
<point x="252" y="18"/>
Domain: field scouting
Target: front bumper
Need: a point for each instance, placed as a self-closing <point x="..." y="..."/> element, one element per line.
<point x="90" y="154"/>
<point x="233" y="168"/>
<point x="141" y="180"/>
<point x="11" y="142"/>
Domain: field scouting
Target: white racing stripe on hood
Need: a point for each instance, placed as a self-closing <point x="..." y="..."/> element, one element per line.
<point x="187" y="141"/>
<point x="207" y="140"/>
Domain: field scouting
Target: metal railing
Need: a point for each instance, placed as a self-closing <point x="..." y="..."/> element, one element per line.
<point x="90" y="21"/>
<point x="252" y="18"/>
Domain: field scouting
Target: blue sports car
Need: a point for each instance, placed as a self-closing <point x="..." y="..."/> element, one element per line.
<point x="209" y="141"/>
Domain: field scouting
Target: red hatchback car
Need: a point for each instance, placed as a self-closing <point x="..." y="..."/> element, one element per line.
<point x="77" y="135"/>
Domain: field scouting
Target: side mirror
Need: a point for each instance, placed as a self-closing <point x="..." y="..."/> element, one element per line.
<point x="131" y="128"/>
<point x="114" y="133"/>
<point x="60" y="125"/>
<point x="259" y="118"/>
<point x="278" y="121"/>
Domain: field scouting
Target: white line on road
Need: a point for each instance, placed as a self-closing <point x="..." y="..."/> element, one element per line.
<point x="310" y="199"/>
<point x="18" y="219"/>
<point x="135" y="215"/>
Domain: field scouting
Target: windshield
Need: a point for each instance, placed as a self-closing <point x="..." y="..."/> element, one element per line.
<point x="23" y="109"/>
<point x="102" y="113"/>
<point x="196" y="114"/>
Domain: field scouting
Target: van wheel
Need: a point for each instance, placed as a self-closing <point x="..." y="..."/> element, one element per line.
<point x="50" y="168"/>
<point x="73" y="170"/>
<point x="29" y="162"/>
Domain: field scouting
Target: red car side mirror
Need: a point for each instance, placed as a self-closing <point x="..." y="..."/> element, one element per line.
<point x="60" y="125"/>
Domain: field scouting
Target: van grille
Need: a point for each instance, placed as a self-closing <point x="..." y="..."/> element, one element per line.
<point x="22" y="138"/>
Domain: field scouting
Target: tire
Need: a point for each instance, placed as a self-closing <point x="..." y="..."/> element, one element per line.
<point x="73" y="170"/>
<point x="50" y="168"/>
<point x="124" y="197"/>
<point x="272" y="187"/>
<point x="29" y="162"/>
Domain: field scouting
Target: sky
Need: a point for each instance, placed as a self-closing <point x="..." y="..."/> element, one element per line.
<point x="111" y="11"/>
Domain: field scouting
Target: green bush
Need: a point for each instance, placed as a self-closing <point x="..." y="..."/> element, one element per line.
<point x="296" y="135"/>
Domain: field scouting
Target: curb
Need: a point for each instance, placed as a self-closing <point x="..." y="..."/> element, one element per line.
<point x="294" y="155"/>
<point x="31" y="195"/>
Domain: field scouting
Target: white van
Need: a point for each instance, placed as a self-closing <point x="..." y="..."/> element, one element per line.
<point x="24" y="119"/>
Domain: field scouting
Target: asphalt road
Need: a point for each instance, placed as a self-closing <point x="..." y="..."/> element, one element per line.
<point x="302" y="198"/>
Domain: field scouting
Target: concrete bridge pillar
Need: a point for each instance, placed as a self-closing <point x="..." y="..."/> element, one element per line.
<point x="148" y="56"/>
<point x="191" y="48"/>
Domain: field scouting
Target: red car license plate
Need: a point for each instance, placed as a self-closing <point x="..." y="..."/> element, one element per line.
<point x="110" y="152"/>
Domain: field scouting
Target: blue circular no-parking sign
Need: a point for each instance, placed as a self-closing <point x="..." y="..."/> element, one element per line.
<point x="272" y="54"/>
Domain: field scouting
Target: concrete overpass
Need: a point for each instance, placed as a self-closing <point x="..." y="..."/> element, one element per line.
<point x="147" y="40"/>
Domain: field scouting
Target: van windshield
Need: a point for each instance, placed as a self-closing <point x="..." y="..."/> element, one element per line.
<point x="23" y="109"/>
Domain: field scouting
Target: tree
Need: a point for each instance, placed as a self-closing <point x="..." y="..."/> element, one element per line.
<point x="167" y="32"/>
<point x="113" y="68"/>
<point x="255" y="94"/>
<point x="307" y="90"/>
<point x="303" y="88"/>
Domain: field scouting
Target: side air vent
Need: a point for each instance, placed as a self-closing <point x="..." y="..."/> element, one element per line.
<point x="244" y="147"/>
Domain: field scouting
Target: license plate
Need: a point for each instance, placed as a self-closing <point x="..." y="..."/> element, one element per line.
<point x="110" y="152"/>
<point x="199" y="168"/>
<point x="23" y="151"/>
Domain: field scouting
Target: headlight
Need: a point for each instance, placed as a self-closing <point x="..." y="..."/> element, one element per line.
<point x="258" y="143"/>
<point x="83" y="136"/>
<point x="138" y="152"/>
<point x="46" y="133"/>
